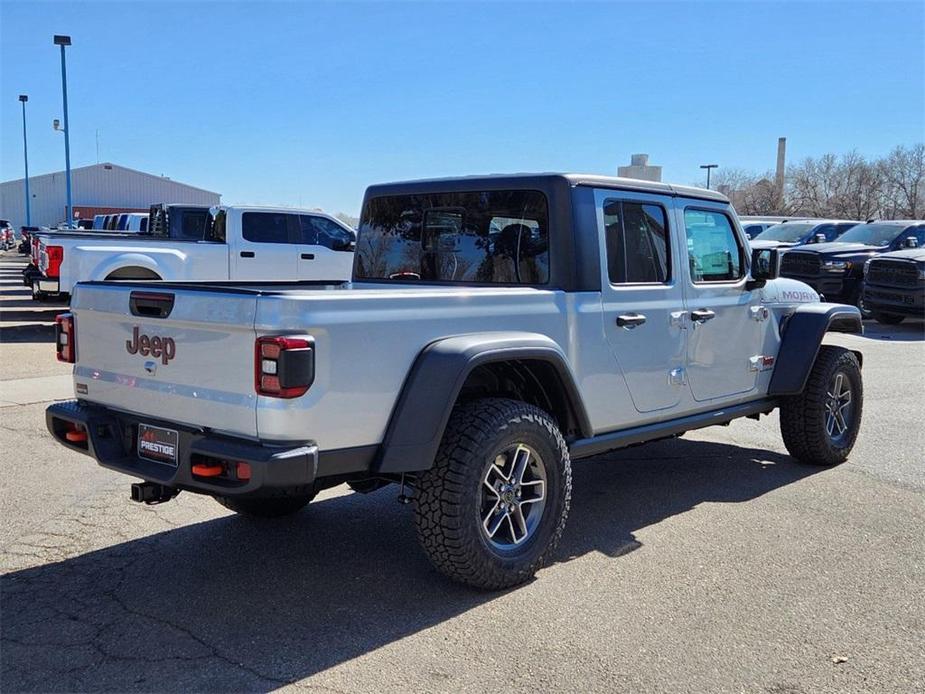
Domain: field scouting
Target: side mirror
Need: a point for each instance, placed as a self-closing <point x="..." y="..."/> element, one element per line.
<point x="765" y="266"/>
<point x="819" y="238"/>
<point x="911" y="242"/>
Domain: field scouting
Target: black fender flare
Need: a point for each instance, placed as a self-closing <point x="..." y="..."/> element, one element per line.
<point x="802" y="338"/>
<point x="435" y="380"/>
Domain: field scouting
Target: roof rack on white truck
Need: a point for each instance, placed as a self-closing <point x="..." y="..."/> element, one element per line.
<point x="195" y="243"/>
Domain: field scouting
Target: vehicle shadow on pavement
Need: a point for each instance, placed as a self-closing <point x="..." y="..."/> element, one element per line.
<point x="909" y="330"/>
<point x="234" y="604"/>
<point x="40" y="315"/>
<point x="28" y="333"/>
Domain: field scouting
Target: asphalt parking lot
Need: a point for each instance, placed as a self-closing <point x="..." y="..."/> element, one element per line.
<point x="709" y="563"/>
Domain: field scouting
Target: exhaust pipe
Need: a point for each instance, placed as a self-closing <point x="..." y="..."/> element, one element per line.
<point x="151" y="493"/>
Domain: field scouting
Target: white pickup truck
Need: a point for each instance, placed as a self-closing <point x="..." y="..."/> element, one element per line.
<point x="184" y="242"/>
<point x="496" y="329"/>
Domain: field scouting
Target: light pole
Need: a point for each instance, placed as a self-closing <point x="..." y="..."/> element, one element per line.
<point x="708" y="167"/>
<point x="66" y="41"/>
<point x="25" y="155"/>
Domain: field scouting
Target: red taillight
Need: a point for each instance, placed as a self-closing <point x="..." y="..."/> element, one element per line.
<point x="55" y="258"/>
<point x="66" y="338"/>
<point x="284" y="367"/>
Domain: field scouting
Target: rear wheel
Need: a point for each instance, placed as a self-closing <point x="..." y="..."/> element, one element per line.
<point x="270" y="507"/>
<point x="491" y="510"/>
<point x="820" y="425"/>
<point x="889" y="318"/>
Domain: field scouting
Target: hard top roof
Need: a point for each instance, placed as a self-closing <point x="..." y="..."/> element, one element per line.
<point x="539" y="181"/>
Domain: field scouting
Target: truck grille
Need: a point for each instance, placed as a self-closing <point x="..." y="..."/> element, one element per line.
<point x="893" y="273"/>
<point x="800" y="264"/>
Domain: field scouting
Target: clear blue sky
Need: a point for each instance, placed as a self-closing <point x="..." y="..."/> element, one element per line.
<point x="309" y="103"/>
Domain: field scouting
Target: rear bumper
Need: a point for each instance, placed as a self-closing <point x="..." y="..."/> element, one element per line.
<point x="33" y="277"/>
<point x="48" y="286"/>
<point x="112" y="437"/>
<point x="901" y="301"/>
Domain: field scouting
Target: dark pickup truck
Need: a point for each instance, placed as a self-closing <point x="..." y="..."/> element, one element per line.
<point x="894" y="286"/>
<point x="836" y="269"/>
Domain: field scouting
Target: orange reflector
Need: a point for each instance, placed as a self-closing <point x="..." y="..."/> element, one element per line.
<point x="244" y="471"/>
<point x="207" y="470"/>
<point x="76" y="436"/>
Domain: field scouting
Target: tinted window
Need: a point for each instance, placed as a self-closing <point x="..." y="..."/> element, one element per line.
<point x="713" y="250"/>
<point x="266" y="227"/>
<point x="319" y="231"/>
<point x="637" y="242"/>
<point x="875" y="234"/>
<point x="788" y="232"/>
<point x="144" y="224"/>
<point x="477" y="237"/>
<point x="188" y="225"/>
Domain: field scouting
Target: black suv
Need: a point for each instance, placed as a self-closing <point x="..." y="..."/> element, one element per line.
<point x="894" y="286"/>
<point x="836" y="269"/>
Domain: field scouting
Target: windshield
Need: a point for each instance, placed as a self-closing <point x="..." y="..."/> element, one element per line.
<point x="871" y="234"/>
<point x="788" y="232"/>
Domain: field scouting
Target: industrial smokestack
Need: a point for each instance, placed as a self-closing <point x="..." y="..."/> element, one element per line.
<point x="779" y="174"/>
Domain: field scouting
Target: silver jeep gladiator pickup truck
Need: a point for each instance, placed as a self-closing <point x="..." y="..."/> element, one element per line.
<point x="496" y="328"/>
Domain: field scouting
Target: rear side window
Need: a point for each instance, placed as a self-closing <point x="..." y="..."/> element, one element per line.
<point x="320" y="231"/>
<point x="480" y="237"/>
<point x="266" y="227"/>
<point x="188" y="225"/>
<point x="144" y="224"/>
<point x="713" y="250"/>
<point x="638" y="248"/>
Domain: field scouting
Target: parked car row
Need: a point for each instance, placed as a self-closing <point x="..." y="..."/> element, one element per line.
<point x="194" y="243"/>
<point x="836" y="269"/>
<point x="125" y="221"/>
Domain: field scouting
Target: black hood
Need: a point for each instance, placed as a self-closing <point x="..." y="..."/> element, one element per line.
<point x="841" y="251"/>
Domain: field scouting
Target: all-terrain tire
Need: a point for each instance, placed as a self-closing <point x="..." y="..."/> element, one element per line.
<point x="889" y="318"/>
<point x="269" y="507"/>
<point x="804" y="417"/>
<point x="449" y="496"/>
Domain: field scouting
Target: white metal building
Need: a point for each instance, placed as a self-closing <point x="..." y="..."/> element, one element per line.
<point x="96" y="189"/>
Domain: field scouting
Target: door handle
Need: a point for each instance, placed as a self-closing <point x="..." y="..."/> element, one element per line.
<point x="247" y="254"/>
<point x="307" y="256"/>
<point x="702" y="315"/>
<point x="630" y="320"/>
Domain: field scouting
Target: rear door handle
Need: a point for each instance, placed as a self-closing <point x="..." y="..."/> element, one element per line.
<point x="702" y="315"/>
<point x="630" y="320"/>
<point x="247" y="254"/>
<point x="307" y="256"/>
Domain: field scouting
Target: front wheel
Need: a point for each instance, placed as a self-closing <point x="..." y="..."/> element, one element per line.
<point x="820" y="425"/>
<point x="491" y="510"/>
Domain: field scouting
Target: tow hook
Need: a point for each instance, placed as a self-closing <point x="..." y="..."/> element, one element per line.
<point x="151" y="493"/>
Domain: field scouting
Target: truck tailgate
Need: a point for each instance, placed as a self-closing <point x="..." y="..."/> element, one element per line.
<point x="193" y="366"/>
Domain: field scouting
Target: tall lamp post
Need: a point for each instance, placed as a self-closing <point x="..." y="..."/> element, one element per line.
<point x="25" y="155"/>
<point x="708" y="167"/>
<point x="66" y="41"/>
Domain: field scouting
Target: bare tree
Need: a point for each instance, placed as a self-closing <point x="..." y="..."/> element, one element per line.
<point x="903" y="174"/>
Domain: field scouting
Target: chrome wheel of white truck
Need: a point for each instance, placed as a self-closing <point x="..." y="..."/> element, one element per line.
<point x="492" y="509"/>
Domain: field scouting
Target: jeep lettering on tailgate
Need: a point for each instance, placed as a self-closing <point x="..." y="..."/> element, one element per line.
<point x="156" y="346"/>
